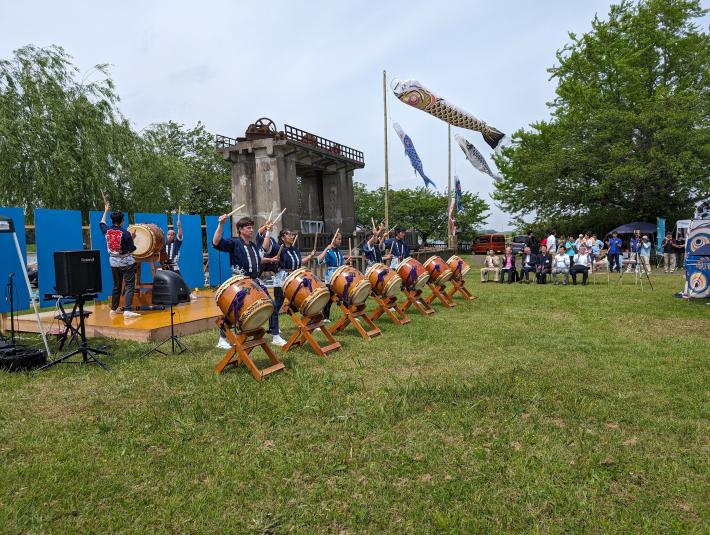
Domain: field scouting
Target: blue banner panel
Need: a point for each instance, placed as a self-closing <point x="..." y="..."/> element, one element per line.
<point x="190" y="261"/>
<point x="98" y="242"/>
<point x="55" y="230"/>
<point x="11" y="263"/>
<point x="157" y="219"/>
<point x="220" y="270"/>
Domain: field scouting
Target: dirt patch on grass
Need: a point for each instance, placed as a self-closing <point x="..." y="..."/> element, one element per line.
<point x="669" y="328"/>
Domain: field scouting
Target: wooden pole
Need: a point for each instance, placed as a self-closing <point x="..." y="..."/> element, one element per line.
<point x="387" y="185"/>
<point x="451" y="238"/>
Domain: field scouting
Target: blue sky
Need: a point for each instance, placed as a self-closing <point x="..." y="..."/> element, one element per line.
<point x="318" y="66"/>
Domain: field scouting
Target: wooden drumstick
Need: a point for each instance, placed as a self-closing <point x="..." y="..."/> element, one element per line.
<point x="269" y="218"/>
<point x="315" y="244"/>
<point x="294" y="241"/>
<point x="334" y="236"/>
<point x="103" y="196"/>
<point x="279" y="216"/>
<point x="230" y="214"/>
<point x="350" y="246"/>
<point x="374" y="228"/>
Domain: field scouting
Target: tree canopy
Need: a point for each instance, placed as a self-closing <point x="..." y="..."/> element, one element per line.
<point x="628" y="138"/>
<point x="421" y="209"/>
<point x="63" y="141"/>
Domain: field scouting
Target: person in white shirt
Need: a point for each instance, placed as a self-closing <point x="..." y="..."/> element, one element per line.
<point x="551" y="243"/>
<point x="560" y="265"/>
<point x="582" y="261"/>
<point x="491" y="264"/>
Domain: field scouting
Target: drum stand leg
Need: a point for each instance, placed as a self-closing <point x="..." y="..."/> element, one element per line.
<point x="414" y="297"/>
<point x="243" y="344"/>
<point x="459" y="286"/>
<point x="388" y="305"/>
<point x="352" y="315"/>
<point x="305" y="326"/>
<point x="438" y="291"/>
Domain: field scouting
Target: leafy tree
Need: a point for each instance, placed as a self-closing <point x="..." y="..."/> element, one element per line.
<point x="420" y="209"/>
<point x="62" y="140"/>
<point x="629" y="137"/>
<point x="177" y="166"/>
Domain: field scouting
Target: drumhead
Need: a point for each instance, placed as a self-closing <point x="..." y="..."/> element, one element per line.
<point x="257" y="315"/>
<point x="445" y="276"/>
<point x="294" y="274"/>
<point x="226" y="284"/>
<point x="393" y="286"/>
<point x="143" y="240"/>
<point x="374" y="266"/>
<point x="361" y="292"/>
<point x="429" y="260"/>
<point x="315" y="302"/>
<point x="421" y="281"/>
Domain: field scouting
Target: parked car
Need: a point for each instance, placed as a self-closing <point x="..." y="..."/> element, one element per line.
<point x="518" y="244"/>
<point x="484" y="242"/>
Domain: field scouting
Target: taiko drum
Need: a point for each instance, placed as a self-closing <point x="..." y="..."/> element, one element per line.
<point x="305" y="292"/>
<point x="244" y="303"/>
<point x="414" y="275"/>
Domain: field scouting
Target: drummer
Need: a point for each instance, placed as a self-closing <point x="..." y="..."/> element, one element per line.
<point x="172" y="247"/>
<point x="399" y="250"/>
<point x="333" y="258"/>
<point x="374" y="247"/>
<point x="289" y="260"/>
<point x="119" y="243"/>
<point x="244" y="254"/>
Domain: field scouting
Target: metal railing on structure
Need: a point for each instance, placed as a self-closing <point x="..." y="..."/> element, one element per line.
<point x="222" y="142"/>
<point x="306" y="138"/>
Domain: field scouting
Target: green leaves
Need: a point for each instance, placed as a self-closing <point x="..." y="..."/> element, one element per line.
<point x="629" y="137"/>
<point x="63" y="141"/>
<point x="422" y="209"/>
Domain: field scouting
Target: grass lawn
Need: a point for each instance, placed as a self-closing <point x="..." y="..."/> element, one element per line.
<point x="532" y="409"/>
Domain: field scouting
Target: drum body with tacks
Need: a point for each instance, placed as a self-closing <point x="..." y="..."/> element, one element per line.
<point x="414" y="275"/>
<point x="385" y="281"/>
<point x="148" y="240"/>
<point x="305" y="292"/>
<point x="458" y="266"/>
<point x="439" y="271"/>
<point x="350" y="285"/>
<point x="244" y="303"/>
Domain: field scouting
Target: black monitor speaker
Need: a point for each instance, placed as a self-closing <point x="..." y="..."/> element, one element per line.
<point x="77" y="272"/>
<point x="169" y="288"/>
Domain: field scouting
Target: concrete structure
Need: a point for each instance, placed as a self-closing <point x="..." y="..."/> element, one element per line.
<point x="310" y="176"/>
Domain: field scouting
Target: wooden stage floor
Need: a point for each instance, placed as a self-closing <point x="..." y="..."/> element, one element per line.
<point x="153" y="326"/>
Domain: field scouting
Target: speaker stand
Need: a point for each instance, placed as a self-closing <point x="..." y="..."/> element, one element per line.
<point x="87" y="352"/>
<point x="174" y="340"/>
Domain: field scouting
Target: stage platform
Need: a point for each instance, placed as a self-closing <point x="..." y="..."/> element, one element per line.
<point x="153" y="325"/>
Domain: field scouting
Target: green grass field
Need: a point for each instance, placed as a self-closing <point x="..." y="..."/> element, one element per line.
<point x="532" y="409"/>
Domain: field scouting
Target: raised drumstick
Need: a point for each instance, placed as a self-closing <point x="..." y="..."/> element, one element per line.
<point x="350" y="246"/>
<point x="279" y="216"/>
<point x="334" y="235"/>
<point x="230" y="214"/>
<point x="103" y="196"/>
<point x="315" y="244"/>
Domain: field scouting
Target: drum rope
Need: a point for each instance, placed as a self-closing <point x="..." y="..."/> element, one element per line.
<point x="412" y="277"/>
<point x="459" y="266"/>
<point x="381" y="277"/>
<point x="348" y="280"/>
<point x="305" y="283"/>
<point x="237" y="304"/>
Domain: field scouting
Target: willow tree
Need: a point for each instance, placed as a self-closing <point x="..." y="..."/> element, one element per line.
<point x="62" y="139"/>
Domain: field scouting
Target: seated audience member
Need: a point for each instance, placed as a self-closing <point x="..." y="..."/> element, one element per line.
<point x="600" y="261"/>
<point x="527" y="265"/>
<point x="582" y="261"/>
<point x="543" y="265"/>
<point x="491" y="264"/>
<point x="508" y="266"/>
<point x="560" y="265"/>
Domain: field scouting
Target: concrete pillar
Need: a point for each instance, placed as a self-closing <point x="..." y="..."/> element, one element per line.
<point x="242" y="184"/>
<point x="312" y="196"/>
<point x="338" y="202"/>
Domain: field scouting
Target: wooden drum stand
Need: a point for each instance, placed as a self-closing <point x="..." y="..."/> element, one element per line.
<point x="438" y="291"/>
<point x="352" y="315"/>
<point x="414" y="297"/>
<point x="460" y="287"/>
<point x="243" y="343"/>
<point x="388" y="305"/>
<point x="305" y="325"/>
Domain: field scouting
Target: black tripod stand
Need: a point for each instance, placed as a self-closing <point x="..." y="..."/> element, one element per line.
<point x="174" y="340"/>
<point x="88" y="353"/>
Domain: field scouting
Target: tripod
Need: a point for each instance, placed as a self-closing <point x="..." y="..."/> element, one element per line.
<point x="174" y="340"/>
<point x="88" y="353"/>
<point x="638" y="278"/>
